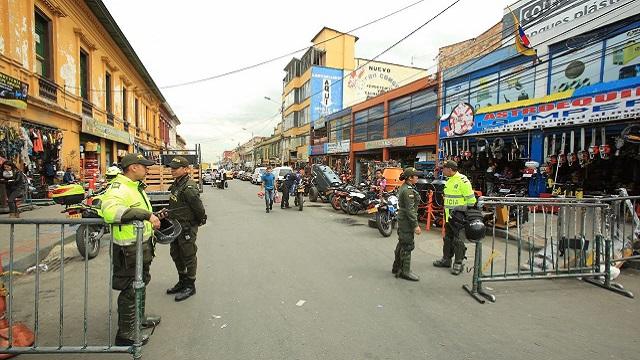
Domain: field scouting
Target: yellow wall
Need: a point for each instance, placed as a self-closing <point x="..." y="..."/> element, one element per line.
<point x="340" y="50"/>
<point x="74" y="27"/>
<point x="297" y="82"/>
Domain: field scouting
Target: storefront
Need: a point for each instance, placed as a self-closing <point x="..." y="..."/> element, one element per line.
<point x="584" y="129"/>
<point x="100" y="146"/>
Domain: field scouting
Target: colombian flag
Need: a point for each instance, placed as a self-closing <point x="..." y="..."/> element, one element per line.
<point x="522" y="41"/>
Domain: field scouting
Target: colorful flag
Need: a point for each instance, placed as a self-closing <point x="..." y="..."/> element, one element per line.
<point x="523" y="45"/>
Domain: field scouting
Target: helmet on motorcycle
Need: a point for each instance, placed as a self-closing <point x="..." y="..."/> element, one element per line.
<point x="112" y="172"/>
<point x="474" y="230"/>
<point x="169" y="230"/>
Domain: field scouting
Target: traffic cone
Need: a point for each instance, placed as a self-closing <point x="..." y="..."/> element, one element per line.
<point x="22" y="335"/>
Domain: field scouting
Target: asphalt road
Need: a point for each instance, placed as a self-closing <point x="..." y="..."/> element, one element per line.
<point x="317" y="285"/>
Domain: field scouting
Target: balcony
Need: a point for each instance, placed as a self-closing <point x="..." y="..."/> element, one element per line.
<point x="110" y="118"/>
<point x="125" y="126"/>
<point x="87" y="108"/>
<point x="48" y="89"/>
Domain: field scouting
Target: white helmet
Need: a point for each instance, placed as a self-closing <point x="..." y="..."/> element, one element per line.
<point x="113" y="171"/>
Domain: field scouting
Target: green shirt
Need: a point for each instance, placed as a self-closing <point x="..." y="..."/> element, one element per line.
<point x="408" y="201"/>
<point x="185" y="204"/>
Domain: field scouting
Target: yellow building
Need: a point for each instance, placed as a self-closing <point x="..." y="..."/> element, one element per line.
<point x="89" y="99"/>
<point x="331" y="49"/>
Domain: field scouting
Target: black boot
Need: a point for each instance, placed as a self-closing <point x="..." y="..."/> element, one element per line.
<point x="127" y="319"/>
<point x="405" y="270"/>
<point x="148" y="321"/>
<point x="395" y="268"/>
<point x="443" y="263"/>
<point x="188" y="291"/>
<point x="178" y="287"/>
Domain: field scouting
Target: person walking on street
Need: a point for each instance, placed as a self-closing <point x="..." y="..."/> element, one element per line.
<point x="186" y="207"/>
<point x="123" y="202"/>
<point x="457" y="192"/>
<point x="408" y="227"/>
<point x="15" y="182"/>
<point x="269" y="187"/>
<point x="289" y="180"/>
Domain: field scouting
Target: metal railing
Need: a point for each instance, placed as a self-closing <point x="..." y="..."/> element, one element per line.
<point x="533" y="239"/>
<point x="47" y="89"/>
<point x="60" y="347"/>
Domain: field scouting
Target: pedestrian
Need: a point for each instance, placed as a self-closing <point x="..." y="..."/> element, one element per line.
<point x="457" y="192"/>
<point x="15" y="183"/>
<point x="379" y="183"/>
<point x="123" y="202"/>
<point x="268" y="185"/>
<point x="186" y="207"/>
<point x="408" y="227"/>
<point x="289" y="180"/>
<point x="69" y="177"/>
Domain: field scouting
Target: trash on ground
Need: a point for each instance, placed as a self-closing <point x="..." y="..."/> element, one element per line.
<point x="301" y="302"/>
<point x="43" y="268"/>
<point x="224" y="326"/>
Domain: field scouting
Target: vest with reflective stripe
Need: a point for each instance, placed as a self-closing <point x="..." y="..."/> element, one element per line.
<point x="457" y="192"/>
<point x="123" y="194"/>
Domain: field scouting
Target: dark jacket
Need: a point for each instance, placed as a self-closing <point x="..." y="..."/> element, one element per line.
<point x="16" y="182"/>
<point x="185" y="204"/>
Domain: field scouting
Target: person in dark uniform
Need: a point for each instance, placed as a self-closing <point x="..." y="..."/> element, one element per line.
<point x="287" y="184"/>
<point x="15" y="182"/>
<point x="186" y="207"/>
<point x="408" y="227"/>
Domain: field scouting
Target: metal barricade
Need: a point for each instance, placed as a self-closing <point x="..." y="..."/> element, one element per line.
<point x="554" y="238"/>
<point x="60" y="347"/>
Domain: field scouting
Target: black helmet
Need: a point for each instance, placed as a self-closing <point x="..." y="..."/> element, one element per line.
<point x="474" y="229"/>
<point x="169" y="230"/>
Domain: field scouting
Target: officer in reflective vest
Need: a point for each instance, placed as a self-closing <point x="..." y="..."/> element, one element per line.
<point x="457" y="192"/>
<point x="126" y="201"/>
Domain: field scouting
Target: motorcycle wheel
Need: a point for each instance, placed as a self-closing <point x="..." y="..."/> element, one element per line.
<point x="385" y="226"/>
<point x="93" y="242"/>
<point x="335" y="203"/>
<point x="313" y="194"/>
<point x="352" y="209"/>
<point x="300" y="201"/>
<point x="344" y="205"/>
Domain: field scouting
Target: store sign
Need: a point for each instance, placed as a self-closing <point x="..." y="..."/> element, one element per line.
<point x="605" y="102"/>
<point x="339" y="147"/>
<point x="100" y="129"/>
<point x="372" y="78"/>
<point x="318" y="149"/>
<point x="385" y="143"/>
<point x="551" y="17"/>
<point x="326" y="92"/>
<point x="13" y="92"/>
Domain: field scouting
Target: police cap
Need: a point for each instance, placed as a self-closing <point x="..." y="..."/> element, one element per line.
<point x="131" y="159"/>
<point x="178" y="162"/>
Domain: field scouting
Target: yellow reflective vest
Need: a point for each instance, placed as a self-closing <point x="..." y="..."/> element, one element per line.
<point x="124" y="194"/>
<point x="457" y="192"/>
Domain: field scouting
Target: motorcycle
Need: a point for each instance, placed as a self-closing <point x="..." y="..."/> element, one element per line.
<point x="339" y="195"/>
<point x="386" y="213"/>
<point x="78" y="205"/>
<point x="514" y="188"/>
<point x="297" y="190"/>
<point x="360" y="200"/>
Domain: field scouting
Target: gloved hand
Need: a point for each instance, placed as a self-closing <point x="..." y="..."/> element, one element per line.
<point x="163" y="213"/>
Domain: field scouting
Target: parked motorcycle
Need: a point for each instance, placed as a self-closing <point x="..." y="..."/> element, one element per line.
<point x="359" y="200"/>
<point x="298" y="192"/>
<point x="386" y="213"/>
<point x="78" y="205"/>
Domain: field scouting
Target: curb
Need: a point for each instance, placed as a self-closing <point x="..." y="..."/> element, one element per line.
<point x="28" y="261"/>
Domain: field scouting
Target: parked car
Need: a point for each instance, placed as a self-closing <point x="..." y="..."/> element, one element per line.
<point x="207" y="177"/>
<point x="256" y="178"/>
<point x="281" y="171"/>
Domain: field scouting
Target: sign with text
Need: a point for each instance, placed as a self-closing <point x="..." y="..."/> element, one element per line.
<point x="13" y="92"/>
<point x="326" y="92"/>
<point x="100" y="129"/>
<point x="339" y="147"/>
<point x="385" y="143"/>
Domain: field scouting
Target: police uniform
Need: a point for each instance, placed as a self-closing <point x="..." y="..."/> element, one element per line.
<point x="408" y="201"/>
<point x="457" y="192"/>
<point x="186" y="207"/>
<point x="123" y="202"/>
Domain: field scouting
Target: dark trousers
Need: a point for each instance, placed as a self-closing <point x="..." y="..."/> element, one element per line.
<point x="285" y="196"/>
<point x="183" y="252"/>
<point x="14" y="194"/>
<point x="406" y="244"/>
<point x="453" y="244"/>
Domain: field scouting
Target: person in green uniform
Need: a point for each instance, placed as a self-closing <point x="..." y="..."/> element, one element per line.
<point x="123" y="202"/>
<point x="457" y="192"/>
<point x="408" y="201"/>
<point x="186" y="207"/>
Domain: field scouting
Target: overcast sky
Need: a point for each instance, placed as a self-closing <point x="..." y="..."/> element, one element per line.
<point x="194" y="39"/>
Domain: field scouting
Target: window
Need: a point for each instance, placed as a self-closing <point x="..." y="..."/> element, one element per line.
<point x="84" y="75"/>
<point x="484" y="91"/>
<point x="339" y="129"/>
<point x="289" y="121"/>
<point x="136" y="112"/>
<point x="108" y="95"/>
<point x="289" y="99"/>
<point x="43" y="45"/>
<point x="369" y="124"/>
<point x="575" y="69"/>
<point x="125" y="105"/>
<point x="360" y="130"/>
<point x="304" y="116"/>
<point x="621" y="60"/>
<point x="517" y="83"/>
<point x="455" y="94"/>
<point x="413" y="114"/>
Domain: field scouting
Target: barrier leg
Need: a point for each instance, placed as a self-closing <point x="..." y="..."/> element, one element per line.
<point x="138" y="286"/>
<point x="429" y="211"/>
<point x="476" y="290"/>
<point x="606" y="282"/>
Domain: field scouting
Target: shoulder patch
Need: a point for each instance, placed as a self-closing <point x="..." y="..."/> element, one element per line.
<point x="409" y="187"/>
<point x="115" y="185"/>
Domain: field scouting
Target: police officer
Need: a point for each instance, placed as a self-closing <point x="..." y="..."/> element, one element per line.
<point x="457" y="192"/>
<point x="123" y="202"/>
<point x="186" y="207"/>
<point x="408" y="201"/>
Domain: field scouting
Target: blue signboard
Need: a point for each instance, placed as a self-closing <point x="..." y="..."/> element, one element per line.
<point x="326" y="91"/>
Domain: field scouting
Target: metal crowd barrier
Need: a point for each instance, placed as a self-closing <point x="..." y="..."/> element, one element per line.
<point x="35" y="347"/>
<point x="555" y="238"/>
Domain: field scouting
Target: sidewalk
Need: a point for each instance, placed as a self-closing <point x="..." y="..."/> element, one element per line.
<point x="24" y="245"/>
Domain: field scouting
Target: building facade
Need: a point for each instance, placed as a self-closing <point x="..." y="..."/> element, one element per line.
<point x="76" y="92"/>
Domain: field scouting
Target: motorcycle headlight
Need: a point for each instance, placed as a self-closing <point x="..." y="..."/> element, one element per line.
<point x="393" y="200"/>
